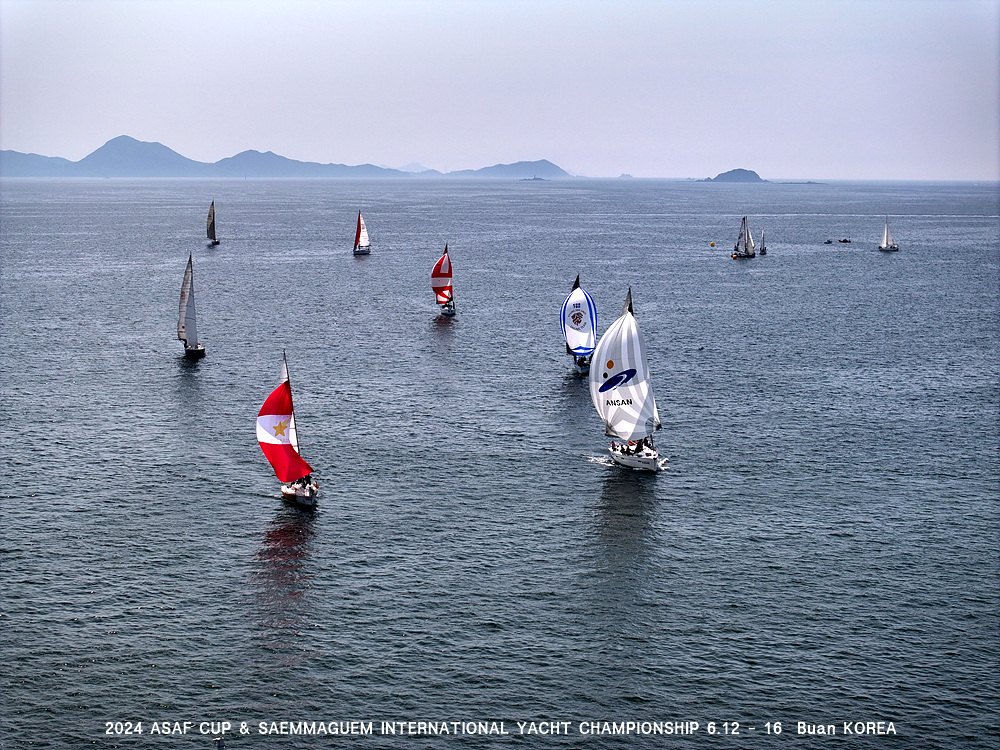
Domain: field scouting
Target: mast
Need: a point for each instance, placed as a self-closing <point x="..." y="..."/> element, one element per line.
<point x="293" y="433"/>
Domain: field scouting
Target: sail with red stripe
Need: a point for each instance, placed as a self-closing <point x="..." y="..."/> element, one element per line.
<point x="276" y="433"/>
<point x="441" y="279"/>
<point x="361" y="241"/>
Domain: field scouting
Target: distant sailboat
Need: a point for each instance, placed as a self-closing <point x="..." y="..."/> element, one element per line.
<point x="210" y="225"/>
<point x="744" y="243"/>
<point x="444" y="294"/>
<point x="763" y="247"/>
<point x="278" y="439"/>
<point x="187" y="319"/>
<point x="579" y="326"/>
<point x="888" y="243"/>
<point x="622" y="392"/>
<point x="362" y="245"/>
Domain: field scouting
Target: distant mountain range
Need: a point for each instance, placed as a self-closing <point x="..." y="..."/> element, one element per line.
<point x="126" y="157"/>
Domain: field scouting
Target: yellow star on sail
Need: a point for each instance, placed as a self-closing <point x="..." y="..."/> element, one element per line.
<point x="279" y="429"/>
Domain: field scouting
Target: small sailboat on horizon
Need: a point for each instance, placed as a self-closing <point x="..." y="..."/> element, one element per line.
<point x="444" y="292"/>
<point x="210" y="226"/>
<point x="362" y="245"/>
<point x="579" y="326"/>
<point x="278" y="438"/>
<point x="744" y="242"/>
<point x="888" y="244"/>
<point x="622" y="393"/>
<point x="187" y="317"/>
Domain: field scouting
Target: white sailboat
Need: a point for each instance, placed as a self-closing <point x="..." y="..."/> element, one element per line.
<point x="362" y="245"/>
<point x="888" y="243"/>
<point x="210" y="225"/>
<point x="279" y="440"/>
<point x="763" y="246"/>
<point x="579" y="326"/>
<point x="622" y="392"/>
<point x="187" y="318"/>
<point x="744" y="242"/>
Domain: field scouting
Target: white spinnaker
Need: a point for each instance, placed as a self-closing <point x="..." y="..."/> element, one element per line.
<point x="187" y="319"/>
<point x="620" y="385"/>
<point x="579" y="321"/>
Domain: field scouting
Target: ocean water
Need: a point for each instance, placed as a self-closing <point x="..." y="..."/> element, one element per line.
<point x="821" y="548"/>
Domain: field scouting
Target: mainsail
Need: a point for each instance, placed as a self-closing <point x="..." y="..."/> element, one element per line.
<point x="620" y="385"/>
<point x="361" y="240"/>
<point x="187" y="320"/>
<point x="744" y="243"/>
<point x="579" y="321"/>
<point x="276" y="432"/>
<point x="887" y="241"/>
<point x="210" y="223"/>
<point x="441" y="279"/>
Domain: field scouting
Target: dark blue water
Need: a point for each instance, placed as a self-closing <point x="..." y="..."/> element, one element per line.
<point x="822" y="547"/>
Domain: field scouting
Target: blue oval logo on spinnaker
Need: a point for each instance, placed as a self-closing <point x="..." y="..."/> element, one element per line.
<point x="619" y="378"/>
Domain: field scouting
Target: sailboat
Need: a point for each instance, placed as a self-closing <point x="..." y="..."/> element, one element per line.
<point x="622" y="392"/>
<point x="210" y="225"/>
<point x="744" y="243"/>
<point x="187" y="319"/>
<point x="444" y="294"/>
<point x="279" y="440"/>
<point x="888" y="243"/>
<point x="579" y="326"/>
<point x="763" y="247"/>
<point x="362" y="245"/>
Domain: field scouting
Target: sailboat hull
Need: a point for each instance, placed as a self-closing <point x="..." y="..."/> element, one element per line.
<point x="300" y="495"/>
<point x="362" y="251"/>
<point x="647" y="460"/>
<point x="194" y="352"/>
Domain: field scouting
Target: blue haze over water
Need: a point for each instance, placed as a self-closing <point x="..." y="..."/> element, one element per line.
<point x="822" y="546"/>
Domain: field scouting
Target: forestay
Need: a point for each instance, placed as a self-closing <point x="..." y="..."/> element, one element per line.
<point x="620" y="385"/>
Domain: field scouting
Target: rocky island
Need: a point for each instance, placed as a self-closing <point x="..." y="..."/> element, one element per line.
<point x="736" y="175"/>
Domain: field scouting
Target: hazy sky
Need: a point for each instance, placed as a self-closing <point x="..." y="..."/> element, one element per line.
<point x="874" y="89"/>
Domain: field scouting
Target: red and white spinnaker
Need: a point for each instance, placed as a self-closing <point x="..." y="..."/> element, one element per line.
<point x="276" y="432"/>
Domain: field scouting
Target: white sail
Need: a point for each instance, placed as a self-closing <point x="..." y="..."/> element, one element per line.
<point x="362" y="239"/>
<point x="744" y="242"/>
<point x="579" y="322"/>
<point x="620" y="386"/>
<point x="187" y="320"/>
<point x="887" y="240"/>
<point x="293" y="435"/>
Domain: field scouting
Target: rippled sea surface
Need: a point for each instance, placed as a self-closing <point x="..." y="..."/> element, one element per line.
<point x="821" y="548"/>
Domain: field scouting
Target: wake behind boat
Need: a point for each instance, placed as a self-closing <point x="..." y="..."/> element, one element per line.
<point x="210" y="226"/>
<point x="187" y="318"/>
<point x="622" y="392"/>
<point x="444" y="293"/>
<point x="362" y="245"/>
<point x="579" y="326"/>
<point x="279" y="440"/>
